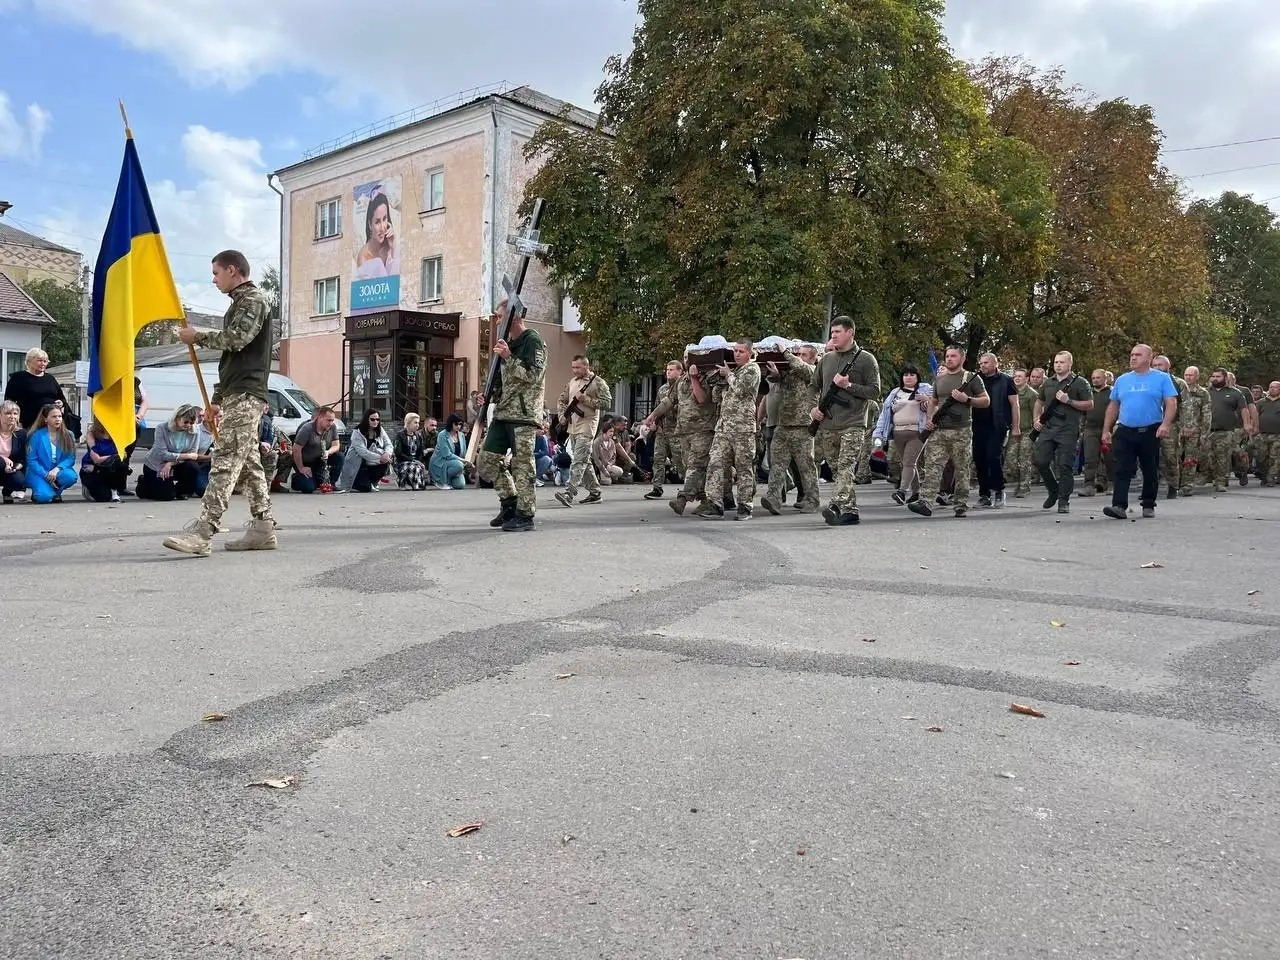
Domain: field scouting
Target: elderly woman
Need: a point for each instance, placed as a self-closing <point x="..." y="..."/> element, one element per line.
<point x="172" y="468"/>
<point x="32" y="389"/>
<point x="13" y="453"/>
<point x="369" y="457"/>
<point x="412" y="452"/>
<point x="51" y="457"/>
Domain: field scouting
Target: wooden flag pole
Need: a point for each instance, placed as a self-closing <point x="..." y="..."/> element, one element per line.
<point x="182" y="322"/>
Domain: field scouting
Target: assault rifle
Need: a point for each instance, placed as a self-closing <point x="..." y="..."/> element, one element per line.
<point x="945" y="406"/>
<point x="1051" y="406"/>
<point x="831" y="396"/>
<point x="571" y="411"/>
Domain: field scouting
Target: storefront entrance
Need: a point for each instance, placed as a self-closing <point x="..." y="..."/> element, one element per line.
<point x="401" y="361"/>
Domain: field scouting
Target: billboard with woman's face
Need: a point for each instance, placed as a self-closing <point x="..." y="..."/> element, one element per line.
<point x="375" y="275"/>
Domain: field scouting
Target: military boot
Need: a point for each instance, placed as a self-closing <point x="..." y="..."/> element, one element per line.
<point x="655" y="493"/>
<point x="770" y="504"/>
<point x="260" y="534"/>
<point x="710" y="510"/>
<point x="519" y="523"/>
<point x="508" y="505"/>
<point x="678" y="503"/>
<point x="195" y="541"/>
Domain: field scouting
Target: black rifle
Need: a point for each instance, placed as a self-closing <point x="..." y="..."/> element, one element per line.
<point x="1051" y="406"/>
<point x="571" y="411"/>
<point x="945" y="407"/>
<point x="831" y="396"/>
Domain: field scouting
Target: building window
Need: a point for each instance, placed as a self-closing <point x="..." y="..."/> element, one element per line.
<point x="326" y="296"/>
<point x="433" y="190"/>
<point x="328" y="219"/>
<point x="432" y="279"/>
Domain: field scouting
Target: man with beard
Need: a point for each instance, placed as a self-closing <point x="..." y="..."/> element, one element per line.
<point x="1226" y="406"/>
<point x="956" y="393"/>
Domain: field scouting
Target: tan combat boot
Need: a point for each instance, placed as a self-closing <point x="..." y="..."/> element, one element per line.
<point x="259" y="535"/>
<point x="195" y="541"/>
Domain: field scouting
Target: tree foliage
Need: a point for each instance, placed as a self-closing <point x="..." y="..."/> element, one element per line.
<point x="62" y="302"/>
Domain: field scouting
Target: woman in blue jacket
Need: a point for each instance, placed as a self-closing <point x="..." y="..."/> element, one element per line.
<point x="447" y="463"/>
<point x="51" y="457"/>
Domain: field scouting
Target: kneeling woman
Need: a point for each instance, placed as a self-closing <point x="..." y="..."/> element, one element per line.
<point x="13" y="453"/>
<point x="412" y="454"/>
<point x="172" y="468"/>
<point x="102" y="473"/>
<point x="369" y="459"/>
<point x="51" y="457"/>
<point x="447" y="465"/>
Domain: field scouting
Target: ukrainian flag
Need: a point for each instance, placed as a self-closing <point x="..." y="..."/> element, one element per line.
<point x="132" y="287"/>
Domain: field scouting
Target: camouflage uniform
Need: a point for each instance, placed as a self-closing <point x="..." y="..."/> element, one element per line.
<point x="1194" y="417"/>
<point x="1019" y="452"/>
<point x="863" y="473"/>
<point x="1267" y="441"/>
<point x="1098" y="468"/>
<point x="734" y="443"/>
<point x="1221" y="442"/>
<point x="1171" y="453"/>
<point x="842" y="435"/>
<point x="1241" y="440"/>
<point x="695" y="428"/>
<point x="792" y="441"/>
<point x="952" y="443"/>
<point x="245" y="341"/>
<point x="666" y="445"/>
<point x="517" y="412"/>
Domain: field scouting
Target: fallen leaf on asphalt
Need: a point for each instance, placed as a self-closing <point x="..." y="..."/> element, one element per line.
<point x="1071" y="663"/>
<point x="466" y="828"/>
<point x="1025" y="710"/>
<point x="42" y="532"/>
<point x="933" y="730"/>
<point x="1152" y="566"/>
<point x="565" y="676"/>
<point x="1006" y="775"/>
<point x="104" y="616"/>
<point x="1253" y="593"/>
<point x="908" y="718"/>
<point x="800" y="852"/>
<point x="568" y="838"/>
<point x="635" y="589"/>
<point x="923" y="567"/>
<point x="1057" y="623"/>
<point x="1004" y="549"/>
<point x="275" y="783"/>
<point x="213" y="717"/>
<point x="868" y="639"/>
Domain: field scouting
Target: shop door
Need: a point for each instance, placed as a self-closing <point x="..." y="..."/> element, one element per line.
<point x="449" y="387"/>
<point x="414" y="388"/>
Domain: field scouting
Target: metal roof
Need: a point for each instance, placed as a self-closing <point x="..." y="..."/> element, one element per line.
<point x="16" y="306"/>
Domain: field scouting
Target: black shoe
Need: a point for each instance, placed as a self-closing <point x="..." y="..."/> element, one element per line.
<point x="1049" y="500"/>
<point x="1115" y="513"/>
<point x="984" y="501"/>
<point x="592" y="498"/>
<point x="730" y="503"/>
<point x="899" y="497"/>
<point x="768" y="503"/>
<point x="507" y="511"/>
<point x="709" y="510"/>
<point x="961" y="512"/>
<point x="744" y="513"/>
<point x="519" y="523"/>
<point x="1064" y="508"/>
<point x="849" y="518"/>
<point x="1171" y="493"/>
<point x="565" y="497"/>
<point x="1244" y="481"/>
<point x="654" y="494"/>
<point x="1148" y="512"/>
<point x="831" y="514"/>
<point x="920" y="507"/>
<point x="944" y="499"/>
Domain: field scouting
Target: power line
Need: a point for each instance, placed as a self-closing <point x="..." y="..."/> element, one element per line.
<point x="33" y="228"/>
<point x="1218" y="146"/>
<point x="1219" y="173"/>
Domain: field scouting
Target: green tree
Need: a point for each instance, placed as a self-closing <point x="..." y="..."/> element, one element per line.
<point x="748" y="155"/>
<point x="62" y="302"/>
<point x="1243" y="244"/>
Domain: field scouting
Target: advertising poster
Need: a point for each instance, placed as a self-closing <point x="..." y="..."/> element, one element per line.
<point x="382" y="374"/>
<point x="359" y="376"/>
<point x="375" y="274"/>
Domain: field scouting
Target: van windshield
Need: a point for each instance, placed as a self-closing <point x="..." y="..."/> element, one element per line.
<point x="302" y="399"/>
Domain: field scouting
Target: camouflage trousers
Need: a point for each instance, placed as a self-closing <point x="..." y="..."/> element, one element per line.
<point x="696" y="453"/>
<point x="516" y="479"/>
<point x="947" y="446"/>
<point x="1220" y="448"/>
<point x="1171" y="456"/>
<point x="1098" y="468"/>
<point x="582" y="473"/>
<point x="666" y="447"/>
<point x="1019" y="462"/>
<point x="735" y="451"/>
<point x="1240" y="453"/>
<point x="863" y="472"/>
<point x="792" y="445"/>
<point x="843" y="450"/>
<point x="236" y="452"/>
<point x="1267" y="446"/>
<point x="1193" y="452"/>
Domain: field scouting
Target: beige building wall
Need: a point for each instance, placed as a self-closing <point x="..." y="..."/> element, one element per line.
<point x="25" y="264"/>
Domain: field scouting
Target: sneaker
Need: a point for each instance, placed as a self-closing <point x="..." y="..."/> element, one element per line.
<point x="519" y="523"/>
<point x="920" y="507"/>
<point x="565" y="498"/>
<point x="807" y="507"/>
<point x="1020" y="494"/>
<point x="84" y="493"/>
<point x="709" y="510"/>
<point x="1148" y="512"/>
<point x="899" y="497"/>
<point x="769" y="504"/>
<point x="831" y="514"/>
<point x="998" y="500"/>
<point x="19" y="496"/>
<point x="984" y="501"/>
<point x="195" y="541"/>
<point x="849" y="518"/>
<point x="115" y="496"/>
<point x="744" y="512"/>
<point x="259" y="535"/>
<point x="944" y="499"/>
<point x="1049" y="500"/>
<point x="593" y="497"/>
<point x="1115" y="513"/>
<point x="1064" y="508"/>
<point x="678" y="503"/>
<point x="962" y="511"/>
<point x="654" y="494"/>
<point x="539" y="483"/>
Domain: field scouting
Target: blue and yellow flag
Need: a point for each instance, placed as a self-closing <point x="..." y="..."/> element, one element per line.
<point x="132" y="287"/>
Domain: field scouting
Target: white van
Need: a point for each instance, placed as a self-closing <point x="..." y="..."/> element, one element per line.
<point x="170" y="387"/>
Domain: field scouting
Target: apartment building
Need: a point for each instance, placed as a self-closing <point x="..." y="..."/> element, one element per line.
<point x="394" y="247"/>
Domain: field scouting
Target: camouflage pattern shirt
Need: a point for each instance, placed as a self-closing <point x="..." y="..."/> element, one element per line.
<point x="799" y="396"/>
<point x="691" y="416"/>
<point x="1198" y="411"/>
<point x="524" y="374"/>
<point x="245" y="342"/>
<point x="1182" y="397"/>
<point x="737" y="399"/>
<point x="666" y="423"/>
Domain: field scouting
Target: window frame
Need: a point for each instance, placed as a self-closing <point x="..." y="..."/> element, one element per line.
<point x="336" y="204"/>
<point x="438" y="259"/>
<point x="317" y="306"/>
<point x="428" y="204"/>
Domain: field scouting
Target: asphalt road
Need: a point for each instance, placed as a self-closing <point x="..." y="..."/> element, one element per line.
<point x="740" y="763"/>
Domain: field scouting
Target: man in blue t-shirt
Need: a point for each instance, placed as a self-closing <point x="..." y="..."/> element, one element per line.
<point x="1140" y="415"/>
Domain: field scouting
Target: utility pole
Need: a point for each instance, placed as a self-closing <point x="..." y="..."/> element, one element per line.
<point x="86" y="309"/>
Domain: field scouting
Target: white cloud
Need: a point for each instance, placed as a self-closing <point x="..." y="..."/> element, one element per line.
<point x="225" y="203"/>
<point x="21" y="138"/>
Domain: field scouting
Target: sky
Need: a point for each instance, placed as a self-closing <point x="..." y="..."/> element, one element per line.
<point x="218" y="100"/>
